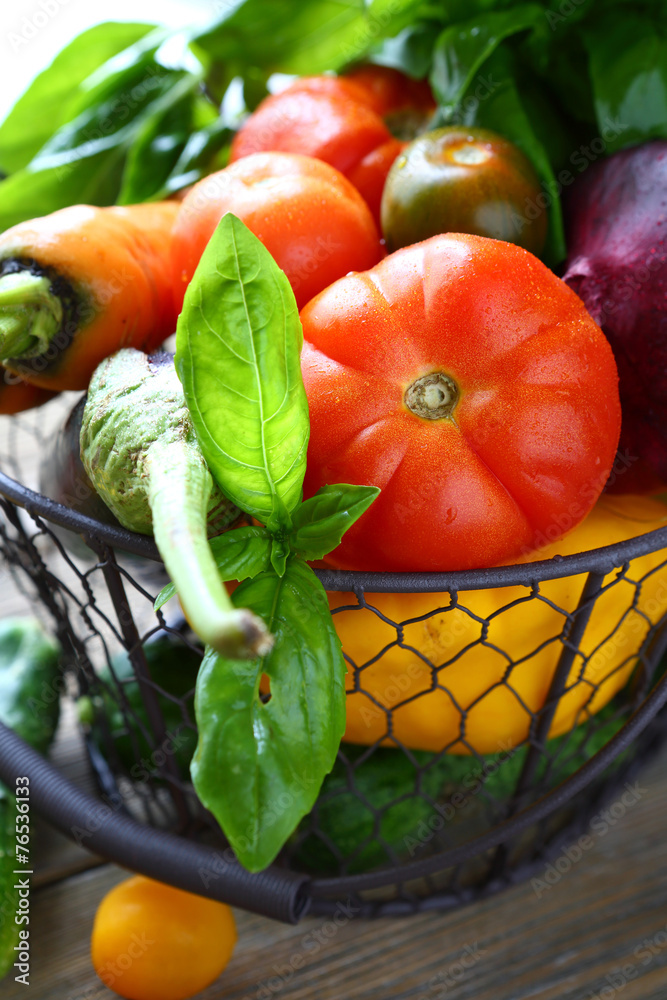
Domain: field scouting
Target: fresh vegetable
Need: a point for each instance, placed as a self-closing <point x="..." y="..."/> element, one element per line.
<point x="29" y="704"/>
<point x="461" y="180"/>
<point x="343" y="121"/>
<point x="260" y="760"/>
<point x="63" y="478"/>
<point x="544" y="81"/>
<point x="617" y="232"/>
<point x="29" y="681"/>
<point x="126" y="113"/>
<point x="17" y="395"/>
<point x="119" y="116"/>
<point x="81" y="283"/>
<point x="308" y="216"/>
<point x="140" y="452"/>
<point x="381" y="813"/>
<point x="473" y="388"/>
<point x="367" y="824"/>
<point x="178" y="942"/>
<point x="405" y="105"/>
<point x="118" y="712"/>
<point x="477" y="704"/>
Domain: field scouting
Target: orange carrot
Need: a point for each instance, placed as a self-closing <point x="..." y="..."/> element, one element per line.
<point x="79" y="284"/>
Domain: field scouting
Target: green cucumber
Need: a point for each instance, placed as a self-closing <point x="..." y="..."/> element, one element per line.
<point x="173" y="666"/>
<point x="385" y="814"/>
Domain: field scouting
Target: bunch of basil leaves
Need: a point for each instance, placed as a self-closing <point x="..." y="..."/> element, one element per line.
<point x="264" y="748"/>
<point x="130" y="112"/>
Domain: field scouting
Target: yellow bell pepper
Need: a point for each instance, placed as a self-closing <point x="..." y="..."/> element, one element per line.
<point x="488" y="684"/>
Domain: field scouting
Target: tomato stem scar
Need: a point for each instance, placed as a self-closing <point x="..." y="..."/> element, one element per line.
<point x="432" y="397"/>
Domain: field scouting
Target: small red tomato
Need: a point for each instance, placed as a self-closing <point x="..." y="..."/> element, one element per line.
<point x="344" y="121"/>
<point x="323" y="116"/>
<point x="404" y="104"/>
<point x="468" y="382"/>
<point x="370" y="174"/>
<point x="462" y="180"/>
<point x="310" y="218"/>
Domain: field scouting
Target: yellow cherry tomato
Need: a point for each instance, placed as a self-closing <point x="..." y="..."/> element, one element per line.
<point x="153" y="942"/>
<point x="492" y="676"/>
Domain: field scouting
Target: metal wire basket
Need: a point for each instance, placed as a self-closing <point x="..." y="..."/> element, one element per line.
<point x="416" y="814"/>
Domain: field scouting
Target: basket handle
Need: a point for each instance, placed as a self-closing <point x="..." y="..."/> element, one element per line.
<point x="276" y="892"/>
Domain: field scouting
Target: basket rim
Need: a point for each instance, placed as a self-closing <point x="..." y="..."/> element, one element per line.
<point x="602" y="560"/>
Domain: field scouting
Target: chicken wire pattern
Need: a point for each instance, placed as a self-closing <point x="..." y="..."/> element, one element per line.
<point x="397" y="802"/>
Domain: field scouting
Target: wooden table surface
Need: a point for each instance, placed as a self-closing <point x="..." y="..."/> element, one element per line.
<point x="600" y="933"/>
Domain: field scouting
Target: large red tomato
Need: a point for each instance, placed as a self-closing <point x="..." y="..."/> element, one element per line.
<point x="309" y="217"/>
<point x="469" y="383"/>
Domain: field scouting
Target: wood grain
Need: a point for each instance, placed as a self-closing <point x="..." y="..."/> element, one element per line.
<point x="566" y="945"/>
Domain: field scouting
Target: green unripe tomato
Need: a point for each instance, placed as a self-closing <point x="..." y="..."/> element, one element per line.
<point x="463" y="180"/>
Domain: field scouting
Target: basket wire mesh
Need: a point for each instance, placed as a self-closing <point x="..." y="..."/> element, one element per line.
<point x="401" y="824"/>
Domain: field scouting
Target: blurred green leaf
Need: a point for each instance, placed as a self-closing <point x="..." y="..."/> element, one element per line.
<point x="156" y="152"/>
<point x="628" y="68"/>
<point x="46" y="104"/>
<point x="493" y="100"/>
<point x="84" y="160"/>
<point x="462" y="49"/>
<point x="93" y="181"/>
<point x="296" y="37"/>
<point x="200" y="152"/>
<point x="410" y="51"/>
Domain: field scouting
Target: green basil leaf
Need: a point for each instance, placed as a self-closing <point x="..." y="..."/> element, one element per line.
<point x="628" y="68"/>
<point x="296" y="37"/>
<point x="461" y="49"/>
<point x="239" y="554"/>
<point x="320" y="522"/>
<point x="279" y="553"/>
<point x="567" y="85"/>
<point x="117" y="108"/>
<point x="238" y="345"/>
<point x="242" y="552"/>
<point x="259" y="765"/>
<point x="45" y="105"/>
